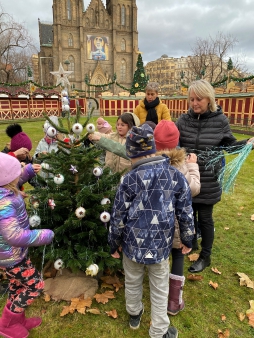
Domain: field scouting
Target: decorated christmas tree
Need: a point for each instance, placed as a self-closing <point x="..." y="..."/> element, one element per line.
<point x="73" y="198"/>
<point x="139" y="79"/>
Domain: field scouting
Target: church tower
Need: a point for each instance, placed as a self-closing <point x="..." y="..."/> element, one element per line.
<point x="95" y="42"/>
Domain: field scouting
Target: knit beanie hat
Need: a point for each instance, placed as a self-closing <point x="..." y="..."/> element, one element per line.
<point x="140" y="141"/>
<point x="10" y="169"/>
<point x="166" y="135"/>
<point x="19" y="139"/>
<point x="103" y="126"/>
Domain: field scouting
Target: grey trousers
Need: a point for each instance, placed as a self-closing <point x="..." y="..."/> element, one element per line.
<point x="159" y="287"/>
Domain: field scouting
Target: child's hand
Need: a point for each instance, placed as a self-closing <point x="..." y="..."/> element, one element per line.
<point x="191" y="158"/>
<point x="115" y="254"/>
<point x="94" y="137"/>
<point x="185" y="250"/>
<point x="36" y="168"/>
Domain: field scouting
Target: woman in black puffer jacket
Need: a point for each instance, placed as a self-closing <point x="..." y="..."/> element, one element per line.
<point x="205" y="130"/>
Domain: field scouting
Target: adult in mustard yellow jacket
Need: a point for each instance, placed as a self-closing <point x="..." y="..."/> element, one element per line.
<point x="151" y="108"/>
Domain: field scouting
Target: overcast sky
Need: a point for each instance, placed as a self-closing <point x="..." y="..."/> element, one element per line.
<point x="166" y="26"/>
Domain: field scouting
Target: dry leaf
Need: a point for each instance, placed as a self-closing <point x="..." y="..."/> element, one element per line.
<point x="241" y="316"/>
<point x="226" y="228"/>
<point x="239" y="214"/>
<point x="241" y="208"/>
<point x="215" y="270"/>
<point x="193" y="257"/>
<point x="224" y="334"/>
<point x="118" y="286"/>
<point x="104" y="297"/>
<point x="195" y="277"/>
<point x="252" y="217"/>
<point x="213" y="285"/>
<point x="113" y="280"/>
<point x="47" y="297"/>
<point x="251" y="319"/>
<point x="83" y="304"/>
<point x="223" y="318"/>
<point x="65" y="311"/>
<point x="112" y="314"/>
<point x="94" y="311"/>
<point x="105" y="285"/>
<point x="245" y="280"/>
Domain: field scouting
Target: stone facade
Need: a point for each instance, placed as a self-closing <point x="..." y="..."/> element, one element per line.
<point x="95" y="43"/>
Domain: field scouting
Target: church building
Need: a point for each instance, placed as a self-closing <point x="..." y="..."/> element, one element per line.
<point x="96" y="43"/>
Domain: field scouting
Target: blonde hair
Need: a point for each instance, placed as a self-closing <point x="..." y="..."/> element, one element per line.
<point x="203" y="89"/>
<point x="154" y="86"/>
<point x="12" y="187"/>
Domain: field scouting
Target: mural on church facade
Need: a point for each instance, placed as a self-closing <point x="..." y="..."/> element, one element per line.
<point x="97" y="47"/>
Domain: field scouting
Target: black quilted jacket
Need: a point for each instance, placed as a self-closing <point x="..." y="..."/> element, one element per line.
<point x="205" y="135"/>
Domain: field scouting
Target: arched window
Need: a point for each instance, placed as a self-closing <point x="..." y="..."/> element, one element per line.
<point x="71" y="67"/>
<point x="69" y="9"/>
<point x="123" y="15"/>
<point x="70" y="40"/>
<point x="123" y="70"/>
<point x="123" y="45"/>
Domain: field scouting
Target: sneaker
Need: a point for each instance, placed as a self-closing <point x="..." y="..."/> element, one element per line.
<point x="171" y="333"/>
<point x="135" y="320"/>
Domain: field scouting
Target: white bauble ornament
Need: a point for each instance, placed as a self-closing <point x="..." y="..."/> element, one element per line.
<point x="58" y="265"/>
<point x="58" y="179"/>
<point x="92" y="270"/>
<point x="80" y="212"/>
<point x="90" y="128"/>
<point x="51" y="132"/>
<point x="105" y="201"/>
<point x="98" y="171"/>
<point x="45" y="165"/>
<point x="34" y="221"/>
<point x="65" y="107"/>
<point x="77" y="128"/>
<point x="105" y="217"/>
<point x="65" y="100"/>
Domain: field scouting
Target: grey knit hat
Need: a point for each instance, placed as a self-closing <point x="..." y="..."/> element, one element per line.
<point x="140" y="141"/>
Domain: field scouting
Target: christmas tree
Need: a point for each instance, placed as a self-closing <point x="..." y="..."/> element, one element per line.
<point x="74" y="199"/>
<point x="139" y="79"/>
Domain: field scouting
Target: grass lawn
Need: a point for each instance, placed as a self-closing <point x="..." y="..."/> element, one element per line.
<point x="202" y="317"/>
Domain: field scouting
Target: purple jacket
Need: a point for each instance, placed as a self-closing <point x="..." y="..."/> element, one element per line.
<point x="15" y="233"/>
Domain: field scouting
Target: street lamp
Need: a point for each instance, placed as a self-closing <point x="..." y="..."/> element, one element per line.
<point x="44" y="57"/>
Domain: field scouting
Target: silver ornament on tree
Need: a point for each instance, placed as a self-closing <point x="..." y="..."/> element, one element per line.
<point x="58" y="179"/>
<point x="73" y="169"/>
<point x="97" y="171"/>
<point x="80" y="212"/>
<point x="34" y="221"/>
<point x="90" y="128"/>
<point x="105" y="217"/>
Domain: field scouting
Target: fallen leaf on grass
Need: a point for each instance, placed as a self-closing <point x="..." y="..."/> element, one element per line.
<point x="47" y="297"/>
<point x="245" y="280"/>
<point x="112" y="280"/>
<point x="241" y="316"/>
<point x="195" y="277"/>
<point x="65" y="311"/>
<point x="252" y="217"/>
<point x="112" y="313"/>
<point x="224" y="334"/>
<point x="239" y="214"/>
<point x="77" y="304"/>
<point x="215" y="270"/>
<point x="104" y="297"/>
<point x="241" y="208"/>
<point x="251" y="319"/>
<point x="193" y="257"/>
<point x="226" y="228"/>
<point x="213" y="285"/>
<point x="94" y="311"/>
<point x="108" y="286"/>
<point x="223" y="318"/>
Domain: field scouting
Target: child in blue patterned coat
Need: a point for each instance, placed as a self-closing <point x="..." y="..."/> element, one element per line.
<point x="143" y="224"/>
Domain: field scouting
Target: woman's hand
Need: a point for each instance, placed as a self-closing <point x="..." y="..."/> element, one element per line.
<point x="94" y="137"/>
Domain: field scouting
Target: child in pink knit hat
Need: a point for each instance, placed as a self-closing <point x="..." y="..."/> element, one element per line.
<point x="103" y="126"/>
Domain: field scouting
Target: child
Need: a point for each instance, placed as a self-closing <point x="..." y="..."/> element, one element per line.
<point x="103" y="126"/>
<point x="166" y="137"/>
<point x="25" y="282"/>
<point x="151" y="108"/>
<point x="143" y="224"/>
<point x="124" y="123"/>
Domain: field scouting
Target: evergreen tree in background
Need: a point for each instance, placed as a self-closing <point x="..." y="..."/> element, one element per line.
<point x="79" y="241"/>
<point x="229" y="64"/>
<point x="139" y="79"/>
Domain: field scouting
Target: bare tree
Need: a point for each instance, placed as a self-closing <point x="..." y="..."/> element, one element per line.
<point x="210" y="56"/>
<point x="16" y="49"/>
